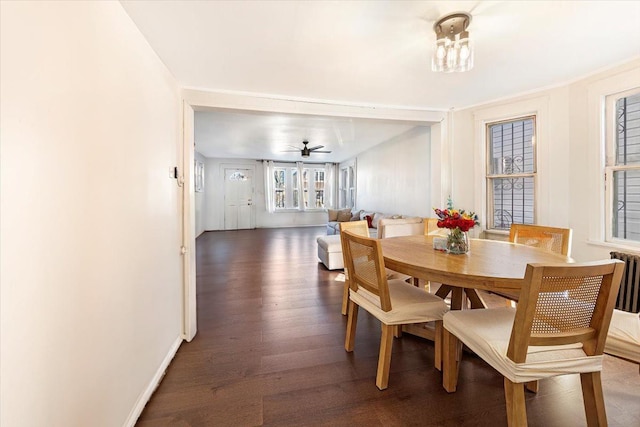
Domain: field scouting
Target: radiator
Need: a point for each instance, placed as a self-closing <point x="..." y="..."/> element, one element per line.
<point x="629" y="294"/>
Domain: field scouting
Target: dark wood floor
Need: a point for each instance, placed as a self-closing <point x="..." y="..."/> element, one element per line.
<point x="270" y="351"/>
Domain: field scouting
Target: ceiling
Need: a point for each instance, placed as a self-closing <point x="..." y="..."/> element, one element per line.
<point x="369" y="53"/>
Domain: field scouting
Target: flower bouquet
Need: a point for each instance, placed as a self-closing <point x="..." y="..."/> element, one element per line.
<point x="459" y="223"/>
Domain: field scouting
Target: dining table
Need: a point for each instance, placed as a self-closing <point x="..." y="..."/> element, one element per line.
<point x="490" y="265"/>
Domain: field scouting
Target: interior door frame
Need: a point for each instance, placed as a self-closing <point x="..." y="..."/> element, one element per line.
<point x="193" y="100"/>
<point x="188" y="249"/>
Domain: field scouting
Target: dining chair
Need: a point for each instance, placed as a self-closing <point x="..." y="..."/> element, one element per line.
<point x="389" y="227"/>
<point x="559" y="327"/>
<point x="552" y="239"/>
<point x="431" y="226"/>
<point x="360" y="228"/>
<point x="392" y="302"/>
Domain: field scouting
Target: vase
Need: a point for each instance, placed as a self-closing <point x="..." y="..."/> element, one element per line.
<point x="457" y="241"/>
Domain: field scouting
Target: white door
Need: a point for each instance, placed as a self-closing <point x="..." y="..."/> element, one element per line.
<point x="238" y="199"/>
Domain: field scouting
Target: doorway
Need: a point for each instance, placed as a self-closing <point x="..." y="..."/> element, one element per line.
<point x="238" y="199"/>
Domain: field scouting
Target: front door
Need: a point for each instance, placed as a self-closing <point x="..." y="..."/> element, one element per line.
<point x="238" y="199"/>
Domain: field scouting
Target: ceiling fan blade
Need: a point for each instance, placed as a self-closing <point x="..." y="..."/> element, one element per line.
<point x="316" y="147"/>
<point x="290" y="151"/>
<point x="293" y="146"/>
<point x="316" y="151"/>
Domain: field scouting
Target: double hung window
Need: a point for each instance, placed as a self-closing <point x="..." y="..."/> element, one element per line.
<point x="622" y="171"/>
<point x="299" y="187"/>
<point x="347" y="183"/>
<point x="511" y="172"/>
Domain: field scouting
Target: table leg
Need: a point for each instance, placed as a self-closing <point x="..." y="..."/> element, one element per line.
<point x="457" y="297"/>
<point x="443" y="291"/>
<point x="475" y="298"/>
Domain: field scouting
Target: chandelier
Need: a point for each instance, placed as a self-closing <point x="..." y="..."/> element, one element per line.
<point x="453" y="47"/>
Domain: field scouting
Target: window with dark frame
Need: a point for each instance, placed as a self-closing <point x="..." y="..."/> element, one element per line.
<point x="511" y="173"/>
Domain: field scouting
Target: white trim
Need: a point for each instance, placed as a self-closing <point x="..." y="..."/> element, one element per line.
<point x="610" y="166"/>
<point x="144" y="397"/>
<point x="596" y="156"/>
<point x="562" y="84"/>
<point x="208" y="101"/>
<point x="625" y="247"/>
<point x="188" y="226"/>
<point x="538" y="107"/>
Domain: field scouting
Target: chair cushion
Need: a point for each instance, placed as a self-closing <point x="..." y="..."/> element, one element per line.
<point x="409" y="304"/>
<point x="487" y="333"/>
<point x="623" y="339"/>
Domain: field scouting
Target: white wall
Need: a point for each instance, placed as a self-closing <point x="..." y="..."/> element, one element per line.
<point x="567" y="193"/>
<point x="200" y="199"/>
<point x="90" y="265"/>
<point x="214" y="196"/>
<point x="395" y="177"/>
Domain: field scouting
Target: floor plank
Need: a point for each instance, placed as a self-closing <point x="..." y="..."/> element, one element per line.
<point x="270" y="351"/>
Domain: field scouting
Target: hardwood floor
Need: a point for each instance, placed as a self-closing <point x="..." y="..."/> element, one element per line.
<point x="270" y="351"/>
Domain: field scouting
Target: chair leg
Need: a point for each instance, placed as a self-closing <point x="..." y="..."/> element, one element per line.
<point x="345" y="297"/>
<point x="384" y="360"/>
<point x="593" y="399"/>
<point x="516" y="408"/>
<point x="397" y="331"/>
<point x="352" y="321"/>
<point x="532" y="386"/>
<point x="451" y="354"/>
<point x="437" y="343"/>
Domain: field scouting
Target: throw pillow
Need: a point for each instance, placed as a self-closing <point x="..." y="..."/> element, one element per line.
<point x="355" y="216"/>
<point x="344" y="216"/>
<point x="369" y="221"/>
<point x="333" y="214"/>
<point x="376" y="219"/>
<point x="363" y="215"/>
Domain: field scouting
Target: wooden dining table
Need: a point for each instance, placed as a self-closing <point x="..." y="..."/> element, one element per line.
<point x="489" y="265"/>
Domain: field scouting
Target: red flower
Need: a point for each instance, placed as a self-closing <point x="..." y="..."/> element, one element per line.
<point x="454" y="218"/>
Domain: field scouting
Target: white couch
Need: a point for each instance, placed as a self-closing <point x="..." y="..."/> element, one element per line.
<point x="623" y="339"/>
<point x="335" y="217"/>
<point x="330" y="247"/>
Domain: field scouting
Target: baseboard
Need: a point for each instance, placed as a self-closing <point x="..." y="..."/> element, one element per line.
<point x="274" y="226"/>
<point x="155" y="382"/>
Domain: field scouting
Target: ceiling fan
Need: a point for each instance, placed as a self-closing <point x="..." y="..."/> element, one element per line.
<point x="306" y="151"/>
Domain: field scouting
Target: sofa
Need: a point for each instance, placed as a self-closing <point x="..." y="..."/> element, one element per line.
<point x="623" y="339"/>
<point x="380" y="225"/>
<point x="336" y="216"/>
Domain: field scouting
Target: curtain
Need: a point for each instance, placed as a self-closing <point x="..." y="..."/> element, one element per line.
<point x="301" y="189"/>
<point x="269" y="189"/>
<point x="329" y="185"/>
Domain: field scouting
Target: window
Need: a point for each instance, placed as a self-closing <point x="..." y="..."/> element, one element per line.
<point x="318" y="186"/>
<point x="347" y="186"/>
<point x="199" y="177"/>
<point x="622" y="172"/>
<point x="287" y="187"/>
<point x="511" y="172"/>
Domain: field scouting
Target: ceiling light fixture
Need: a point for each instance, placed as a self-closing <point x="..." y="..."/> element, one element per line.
<point x="453" y="47"/>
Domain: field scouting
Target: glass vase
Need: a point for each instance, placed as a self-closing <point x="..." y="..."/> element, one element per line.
<point x="457" y="241"/>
